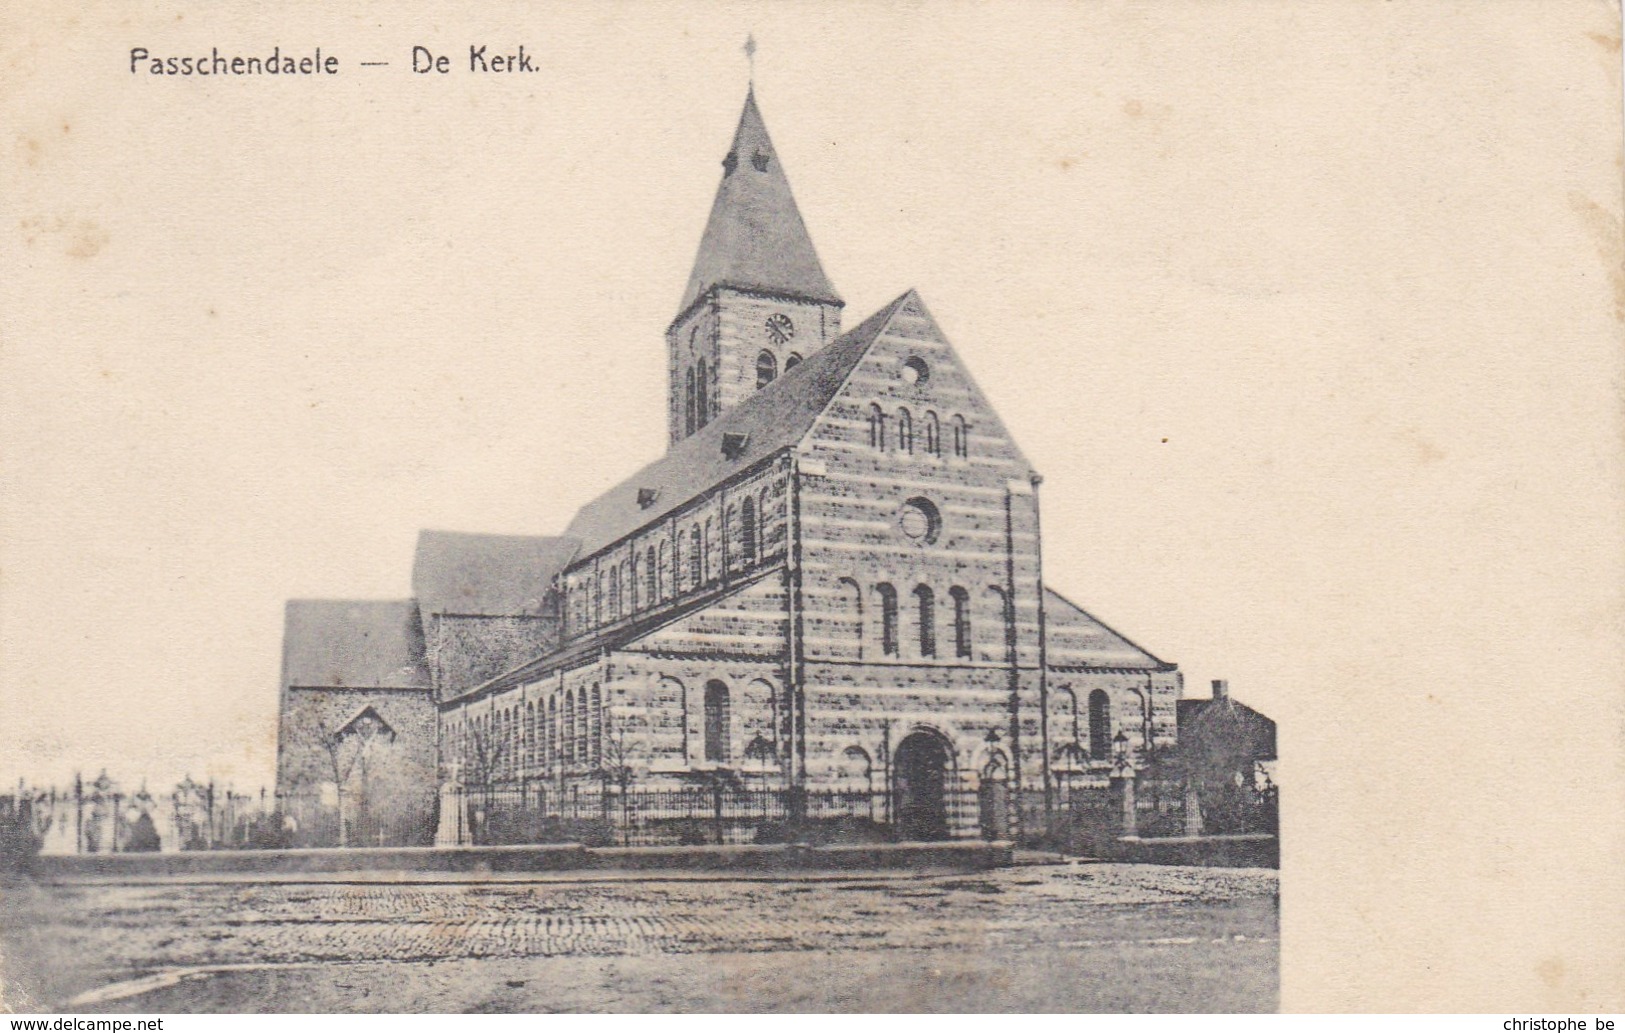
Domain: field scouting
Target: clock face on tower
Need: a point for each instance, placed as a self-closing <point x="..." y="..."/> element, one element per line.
<point x="779" y="328"/>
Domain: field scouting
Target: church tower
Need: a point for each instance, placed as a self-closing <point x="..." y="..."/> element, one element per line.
<point x="758" y="301"/>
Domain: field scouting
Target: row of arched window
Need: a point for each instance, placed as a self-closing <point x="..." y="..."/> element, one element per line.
<point x="767" y="367"/>
<point x="884" y="623"/>
<point x="536" y="737"/>
<point x="645" y="578"/>
<point x="896" y="433"/>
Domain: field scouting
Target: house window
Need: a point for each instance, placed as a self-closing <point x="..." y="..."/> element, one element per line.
<point x="961" y="622"/>
<point x="888" y="618"/>
<point x="926" y="608"/>
<point x="716" y="722"/>
<point x="767" y="368"/>
<point x="1100" y="725"/>
<point x="905" y="431"/>
<point x="747" y="530"/>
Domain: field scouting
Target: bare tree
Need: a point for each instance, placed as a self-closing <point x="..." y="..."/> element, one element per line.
<point x="615" y="766"/>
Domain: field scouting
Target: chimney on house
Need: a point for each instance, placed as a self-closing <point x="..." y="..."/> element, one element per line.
<point x="1221" y="689"/>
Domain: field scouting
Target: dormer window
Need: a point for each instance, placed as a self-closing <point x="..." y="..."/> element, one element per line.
<point x="733" y="444"/>
<point x="647" y="497"/>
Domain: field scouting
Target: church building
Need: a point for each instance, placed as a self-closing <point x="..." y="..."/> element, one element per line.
<point x="825" y="600"/>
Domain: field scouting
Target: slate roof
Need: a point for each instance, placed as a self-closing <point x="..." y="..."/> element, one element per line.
<point x="776" y="417"/>
<point x="1075" y="638"/>
<point x="358" y="643"/>
<point x="486" y="574"/>
<point x="755" y="237"/>
<point x="1224" y="723"/>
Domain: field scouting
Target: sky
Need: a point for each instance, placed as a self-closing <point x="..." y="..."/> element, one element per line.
<point x="1308" y="314"/>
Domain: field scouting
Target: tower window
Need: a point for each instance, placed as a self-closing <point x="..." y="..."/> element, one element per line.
<point x="915" y="371"/>
<point x="926" y="604"/>
<point x="961" y="622"/>
<point x="933" y="435"/>
<point x="702" y="402"/>
<point x="688" y="403"/>
<point x="716" y="722"/>
<point x="888" y="618"/>
<point x="905" y="431"/>
<point x="961" y="438"/>
<point x="760" y="160"/>
<point x="767" y="368"/>
<point x="791" y="361"/>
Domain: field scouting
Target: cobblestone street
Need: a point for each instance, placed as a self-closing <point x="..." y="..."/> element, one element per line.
<point x="1203" y="939"/>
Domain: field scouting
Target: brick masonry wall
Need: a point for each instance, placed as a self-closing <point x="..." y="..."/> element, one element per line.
<point x="465" y="651"/>
<point x="400" y="785"/>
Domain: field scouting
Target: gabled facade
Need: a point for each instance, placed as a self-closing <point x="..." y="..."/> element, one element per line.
<point x="831" y="585"/>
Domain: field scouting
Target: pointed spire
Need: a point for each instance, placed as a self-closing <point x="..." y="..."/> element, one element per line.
<point x="755" y="238"/>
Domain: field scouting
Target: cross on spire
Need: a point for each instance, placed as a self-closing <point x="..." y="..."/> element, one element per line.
<point x="750" y="55"/>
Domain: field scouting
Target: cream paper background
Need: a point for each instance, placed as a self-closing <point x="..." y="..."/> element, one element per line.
<point x="1310" y="314"/>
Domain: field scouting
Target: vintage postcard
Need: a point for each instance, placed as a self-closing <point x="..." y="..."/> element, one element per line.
<point x="1100" y="507"/>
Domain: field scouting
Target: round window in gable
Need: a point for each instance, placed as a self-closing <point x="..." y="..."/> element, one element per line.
<point x="915" y="371"/>
<point x="920" y="520"/>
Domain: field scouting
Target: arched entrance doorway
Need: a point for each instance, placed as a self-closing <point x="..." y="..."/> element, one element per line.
<point x="919" y="787"/>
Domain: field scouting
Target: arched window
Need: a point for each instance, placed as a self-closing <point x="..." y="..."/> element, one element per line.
<point x="791" y="361"/>
<point x="688" y="403"/>
<point x="702" y="397"/>
<point x="853" y="604"/>
<point x="634" y="585"/>
<point x="767" y="368"/>
<point x="663" y="582"/>
<point x="961" y="622"/>
<point x="552" y="758"/>
<point x="677" y="563"/>
<point x="1100" y="725"/>
<point x="888" y="618"/>
<point x="877" y="428"/>
<point x="595" y="735"/>
<point x="762" y="511"/>
<point x="747" y="531"/>
<point x="926" y="617"/>
<point x="961" y="438"/>
<point x="707" y="569"/>
<point x="530" y="736"/>
<point x="615" y="593"/>
<point x="933" y="435"/>
<point x="716" y="722"/>
<point x="1006" y="617"/>
<point x="651" y="577"/>
<point x="569" y="728"/>
<point x="905" y="431"/>
<point x="696" y="558"/>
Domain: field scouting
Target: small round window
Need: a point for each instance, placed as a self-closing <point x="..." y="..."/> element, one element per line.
<point x="920" y="520"/>
<point x="915" y="371"/>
